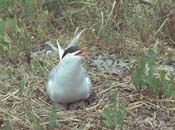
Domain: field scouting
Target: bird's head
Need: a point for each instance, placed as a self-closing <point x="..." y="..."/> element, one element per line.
<point x="74" y="53"/>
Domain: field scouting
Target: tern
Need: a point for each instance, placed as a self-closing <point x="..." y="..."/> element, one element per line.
<point x="69" y="81"/>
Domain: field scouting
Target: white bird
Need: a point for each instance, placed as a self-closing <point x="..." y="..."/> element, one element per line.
<point x="69" y="81"/>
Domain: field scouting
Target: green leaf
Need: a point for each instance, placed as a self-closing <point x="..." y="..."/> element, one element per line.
<point x="139" y="74"/>
<point x="22" y="85"/>
<point x="2" y="26"/>
<point x="31" y="116"/>
<point x="114" y="99"/>
<point x="53" y="117"/>
<point x="114" y="115"/>
<point x="151" y="60"/>
<point x="7" y="125"/>
<point x="33" y="120"/>
<point x="37" y="66"/>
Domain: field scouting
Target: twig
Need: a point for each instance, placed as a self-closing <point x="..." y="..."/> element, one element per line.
<point x="161" y="26"/>
<point x="9" y="95"/>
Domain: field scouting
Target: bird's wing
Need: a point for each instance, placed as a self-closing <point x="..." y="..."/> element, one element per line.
<point x="75" y="39"/>
<point x="84" y="72"/>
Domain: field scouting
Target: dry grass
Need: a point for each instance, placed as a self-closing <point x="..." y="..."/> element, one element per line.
<point x="143" y="110"/>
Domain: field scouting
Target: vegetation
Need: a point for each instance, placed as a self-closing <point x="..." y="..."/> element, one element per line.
<point x="33" y="121"/>
<point x="145" y="76"/>
<point x="140" y="32"/>
<point x="53" y="117"/>
<point x="114" y="116"/>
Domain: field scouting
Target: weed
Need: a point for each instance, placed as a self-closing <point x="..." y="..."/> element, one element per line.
<point x="137" y="75"/>
<point x="4" y="6"/>
<point x="168" y="86"/>
<point x="107" y="22"/>
<point x="114" y="116"/>
<point x="14" y="40"/>
<point x="53" y="117"/>
<point x="37" y="67"/>
<point x="7" y="125"/>
<point x="9" y="73"/>
<point x="22" y="85"/>
<point x="165" y="12"/>
<point x="145" y="76"/>
<point x="33" y="121"/>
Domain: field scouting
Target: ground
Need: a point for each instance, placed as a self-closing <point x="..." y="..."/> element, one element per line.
<point x="109" y="72"/>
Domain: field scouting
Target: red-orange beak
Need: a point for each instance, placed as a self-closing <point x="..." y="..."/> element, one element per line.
<point x="82" y="52"/>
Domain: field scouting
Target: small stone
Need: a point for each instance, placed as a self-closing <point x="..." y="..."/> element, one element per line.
<point x="109" y="62"/>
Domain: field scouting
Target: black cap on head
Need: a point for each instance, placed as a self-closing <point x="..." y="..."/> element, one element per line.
<point x="70" y="50"/>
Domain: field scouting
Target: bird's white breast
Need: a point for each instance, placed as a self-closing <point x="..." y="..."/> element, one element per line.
<point x="68" y="83"/>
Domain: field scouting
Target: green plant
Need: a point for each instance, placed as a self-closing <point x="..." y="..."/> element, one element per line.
<point x="138" y="74"/>
<point x="15" y="40"/>
<point x="166" y="18"/>
<point x="144" y="73"/>
<point x="145" y="76"/>
<point x="139" y="20"/>
<point x="16" y="35"/>
<point x="37" y="67"/>
<point x="7" y="125"/>
<point x="53" y="117"/>
<point x="33" y="121"/>
<point x="168" y="86"/>
<point x="114" y="116"/>
<point x="108" y="20"/>
<point x="150" y="79"/>
<point x="5" y="5"/>
<point x="22" y="85"/>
